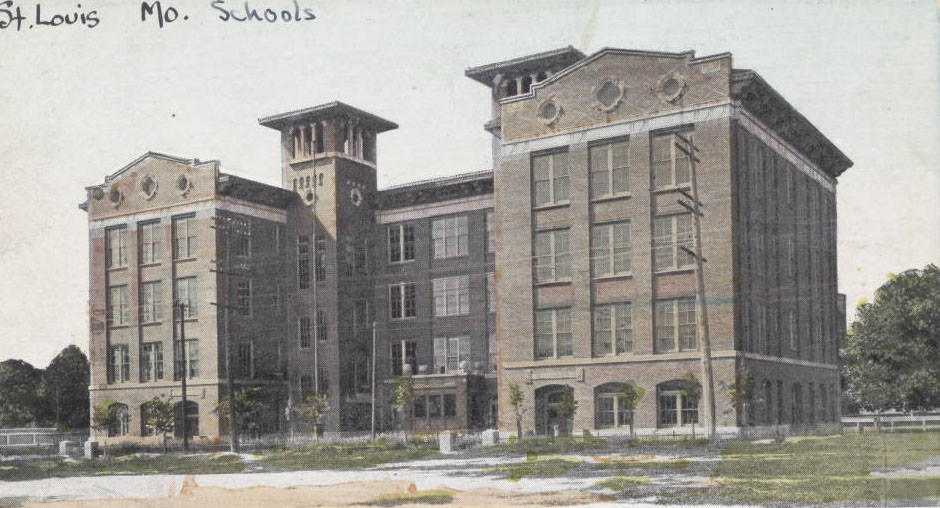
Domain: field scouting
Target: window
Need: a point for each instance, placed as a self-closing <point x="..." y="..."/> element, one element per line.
<point x="450" y="404"/>
<point x="151" y="361"/>
<point x="613" y="329"/>
<point x="243" y="245"/>
<point x="303" y="331"/>
<point x="676" y="410"/>
<point x="117" y="306"/>
<point x="610" y="169"/>
<point x="552" y="259"/>
<point x="320" y="265"/>
<point x="434" y="406"/>
<point x="493" y="349"/>
<point x="116" y="247"/>
<point x="306" y="385"/>
<point x="491" y="292"/>
<point x="450" y="352"/>
<point x="670" y="234"/>
<point x="360" y="314"/>
<point x="420" y="410"/>
<point x="401" y="243"/>
<point x="396" y="359"/>
<point x="794" y="344"/>
<point x="185" y="237"/>
<point x="323" y="379"/>
<point x="187" y="292"/>
<point x="553" y="333"/>
<point x="244" y="360"/>
<point x="190" y="416"/>
<point x="243" y="297"/>
<point x="550" y="178"/>
<point x="119" y="364"/>
<point x="188" y="359"/>
<point x="609" y="408"/>
<point x="151" y="244"/>
<point x="401" y="300"/>
<point x="151" y="298"/>
<point x="490" y="236"/>
<point x="303" y="262"/>
<point x="452" y="296"/>
<point x="449" y="236"/>
<point x="321" y="326"/>
<point x="670" y="164"/>
<point x="119" y="423"/>
<point x="610" y="249"/>
<point x="675" y="325"/>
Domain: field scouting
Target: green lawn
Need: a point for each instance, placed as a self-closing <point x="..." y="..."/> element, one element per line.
<point x="345" y="456"/>
<point x="619" y="483"/>
<point x="542" y="467"/>
<point x="54" y="467"/>
<point x="677" y="464"/>
<point x="422" y="497"/>
<point x="544" y="446"/>
<point x="827" y="469"/>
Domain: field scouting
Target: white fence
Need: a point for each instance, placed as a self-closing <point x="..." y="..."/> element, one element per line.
<point x="890" y="421"/>
<point x="36" y="439"/>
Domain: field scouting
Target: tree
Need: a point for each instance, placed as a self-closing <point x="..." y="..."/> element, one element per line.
<point x="311" y="409"/>
<point x="64" y="389"/>
<point x="692" y="390"/>
<point x="106" y="415"/>
<point x="516" y="402"/>
<point x="629" y="397"/>
<point x="20" y="403"/>
<point x="404" y="395"/>
<point x="893" y="345"/>
<point x="741" y="393"/>
<point x="160" y="417"/>
<point x="567" y="406"/>
<point x="247" y="401"/>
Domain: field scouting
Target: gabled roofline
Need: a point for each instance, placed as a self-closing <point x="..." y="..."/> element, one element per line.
<point x="152" y="155"/>
<point x="689" y="54"/>
<point x="329" y="109"/>
<point x="484" y="73"/>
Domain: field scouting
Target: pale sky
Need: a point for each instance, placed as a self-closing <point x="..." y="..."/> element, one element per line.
<point x="79" y="103"/>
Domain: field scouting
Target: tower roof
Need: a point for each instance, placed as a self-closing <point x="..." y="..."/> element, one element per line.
<point x="324" y="112"/>
<point x="562" y="56"/>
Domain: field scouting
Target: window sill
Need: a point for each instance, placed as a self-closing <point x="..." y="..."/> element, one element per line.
<point x="397" y="319"/>
<point x="550" y="358"/>
<point x="550" y="206"/>
<point x="399" y="263"/>
<point x="616" y="276"/>
<point x="443" y="258"/>
<point x="150" y="264"/>
<point x="117" y="268"/>
<point x="118" y="327"/>
<point x="672" y="188"/>
<point x="548" y="283"/>
<point x="445" y="316"/>
<point x="152" y="323"/>
<point x="185" y="259"/>
<point x="612" y="197"/>
<point x="667" y="271"/>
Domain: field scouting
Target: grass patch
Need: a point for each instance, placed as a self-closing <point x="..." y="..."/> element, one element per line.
<point x="668" y="442"/>
<point x="345" y="456"/>
<point x="54" y="467"/>
<point x="558" y="445"/>
<point x="541" y="467"/>
<point x="422" y="497"/>
<point x="674" y="465"/>
<point x="827" y="470"/>
<point x="620" y="483"/>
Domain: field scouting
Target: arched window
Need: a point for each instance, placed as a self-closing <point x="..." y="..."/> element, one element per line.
<point x="145" y="429"/>
<point x="540" y="77"/>
<point x="192" y="419"/>
<point x="796" y="411"/>
<point x="767" y="392"/>
<point x="511" y="88"/>
<point x="119" y="420"/>
<point x="674" y="407"/>
<point x="526" y="84"/>
<point x="318" y="137"/>
<point x="548" y="413"/>
<point x="609" y="410"/>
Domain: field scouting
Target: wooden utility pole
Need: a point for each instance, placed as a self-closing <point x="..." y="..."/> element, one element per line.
<point x="701" y="313"/>
<point x="373" y="380"/>
<point x="181" y="309"/>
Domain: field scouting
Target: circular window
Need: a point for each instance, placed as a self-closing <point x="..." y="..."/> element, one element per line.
<point x="608" y="95"/>
<point x="148" y="187"/>
<point x="183" y="184"/>
<point x="549" y="111"/>
<point x="355" y="196"/>
<point x="671" y="87"/>
<point x="97" y="193"/>
<point x="115" y="197"/>
<point x="309" y="196"/>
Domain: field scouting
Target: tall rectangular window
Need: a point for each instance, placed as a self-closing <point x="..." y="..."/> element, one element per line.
<point x="610" y="169"/>
<point x="550" y="178"/>
<point x="676" y="325"/>
<point x="185" y="236"/>
<point x="243" y="297"/>
<point x="323" y="379"/>
<point x="492" y="347"/>
<point x="151" y="361"/>
<point x="450" y="352"/>
<point x="402" y="300"/>
<point x="610" y="249"/>
<point x="151" y="242"/>
<point x="117" y="306"/>
<point x="244" y="360"/>
<point x="303" y="262"/>
<point x="452" y="296"/>
<point x="794" y="343"/>
<point x="670" y="164"/>
<point x="553" y="337"/>
<point x="187" y="292"/>
<point x="306" y="385"/>
<point x="396" y="359"/>
<point x="188" y="360"/>
<point x="491" y="292"/>
<point x="490" y="236"/>
<point x="304" y="331"/>
<point x="119" y="364"/>
<point x="320" y="265"/>
<point x="151" y="302"/>
<point x="243" y="245"/>
<point x="449" y="236"/>
<point x="613" y="329"/>
<point x="410" y="357"/>
<point x="116" y="247"/>
<point x="322" y="326"/>
<point x="401" y="243"/>
<point x="670" y="234"/>
<point x="552" y="259"/>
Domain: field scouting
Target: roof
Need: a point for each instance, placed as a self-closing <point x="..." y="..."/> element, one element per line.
<point x="438" y="189"/>
<point x="443" y="181"/>
<point x="256" y="192"/>
<point x="761" y="100"/>
<point x="563" y="56"/>
<point x="326" y="111"/>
